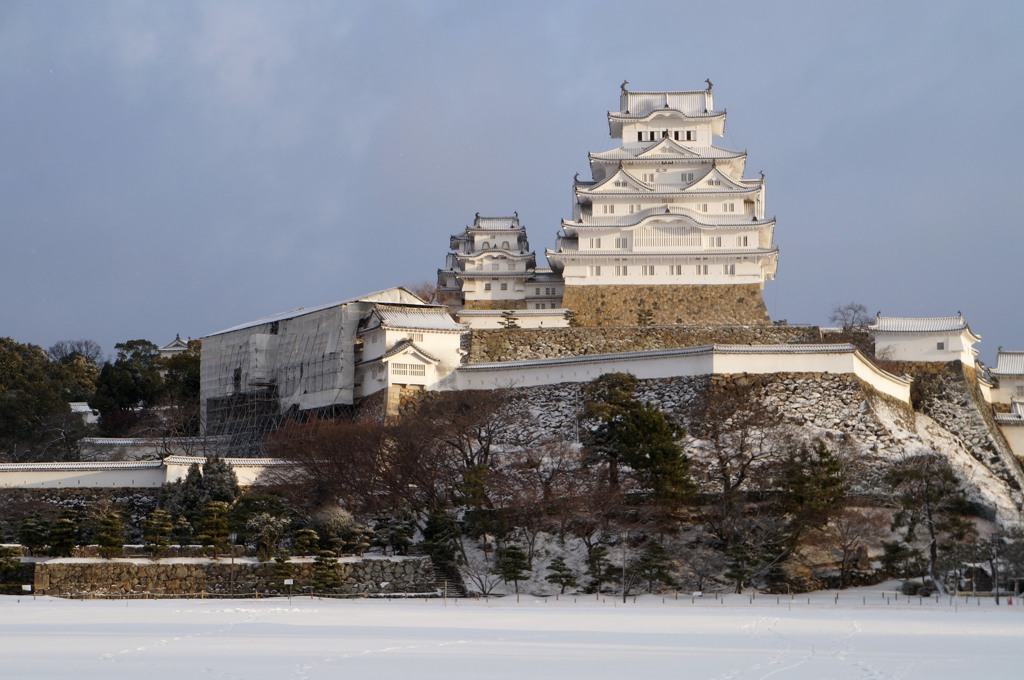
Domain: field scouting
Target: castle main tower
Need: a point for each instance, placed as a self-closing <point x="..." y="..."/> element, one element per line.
<point x="667" y="229"/>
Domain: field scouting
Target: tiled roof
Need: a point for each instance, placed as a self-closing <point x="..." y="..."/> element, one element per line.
<point x="98" y="466"/>
<point x="698" y="219"/>
<point x="1009" y="363"/>
<point x="495" y="223"/>
<point x="631" y="152"/>
<point x="840" y="348"/>
<point x="408" y="344"/>
<point x="908" y="324"/>
<point x="302" y="311"/>
<point x="419" y="318"/>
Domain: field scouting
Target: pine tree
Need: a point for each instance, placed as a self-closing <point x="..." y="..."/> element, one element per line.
<point x="33" y="533"/>
<point x="511" y="565"/>
<point x="598" y="567"/>
<point x="64" y="534"/>
<point x="214" y="526"/>
<point x="110" y="535"/>
<point x="219" y="480"/>
<point x="561" y="575"/>
<point x="183" y="533"/>
<point x="305" y="542"/>
<point x="654" y="566"/>
<point x="325" y="571"/>
<point x="156" y="532"/>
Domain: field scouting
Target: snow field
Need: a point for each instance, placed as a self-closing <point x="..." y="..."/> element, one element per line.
<point x="590" y="638"/>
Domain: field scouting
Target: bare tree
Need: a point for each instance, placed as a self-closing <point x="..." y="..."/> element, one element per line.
<point x="852" y="316"/>
<point x="424" y="290"/>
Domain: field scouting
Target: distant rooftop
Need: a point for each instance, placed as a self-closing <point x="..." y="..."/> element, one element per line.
<point x="1009" y="363"/>
<point x="919" y="324"/>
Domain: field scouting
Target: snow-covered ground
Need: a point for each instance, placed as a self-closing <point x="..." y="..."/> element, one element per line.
<point x="868" y="634"/>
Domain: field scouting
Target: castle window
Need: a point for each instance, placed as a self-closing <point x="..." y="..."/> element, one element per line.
<point x="940" y="345"/>
<point x="416" y="337"/>
<point x="640" y="136"/>
<point x="504" y="286"/>
<point x="536" y="291"/>
<point x="504" y="244"/>
<point x="595" y="243"/>
<point x="594" y="270"/>
<point x="714" y="182"/>
<point x="715" y="241"/>
<point x="487" y="286"/>
<point x="702" y="270"/>
<point x="608" y="209"/>
<point x="690" y="136"/>
<point x="486" y="245"/>
<point x="687" y="177"/>
<point x="1020" y="390"/>
<point x="742" y="241"/>
<point x="621" y="270"/>
<point x="620" y="183"/>
<point x="676" y="269"/>
<point x="495" y="266"/>
<point x="675" y="135"/>
<point x="511" y="266"/>
<point x="729" y="207"/>
<point x="729" y="269"/>
<point x="703" y="207"/>
<point x="621" y="242"/>
<point x="648" y="270"/>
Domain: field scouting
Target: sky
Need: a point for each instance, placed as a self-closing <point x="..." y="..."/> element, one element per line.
<point x="182" y="167"/>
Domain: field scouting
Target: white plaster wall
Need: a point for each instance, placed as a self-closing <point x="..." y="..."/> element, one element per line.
<point x="720" y="361"/>
<point x="1014" y="437"/>
<point x="923" y="347"/>
<point x="142" y="478"/>
<point x="1007" y="390"/>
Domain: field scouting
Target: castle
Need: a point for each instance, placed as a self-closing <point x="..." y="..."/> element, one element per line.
<point x="658" y="270"/>
<point x="667" y="227"/>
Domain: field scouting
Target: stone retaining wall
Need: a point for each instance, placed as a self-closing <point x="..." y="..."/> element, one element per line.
<point x="112" y="578"/>
<point x="521" y="344"/>
<point x="738" y="304"/>
<point x="823" y="401"/>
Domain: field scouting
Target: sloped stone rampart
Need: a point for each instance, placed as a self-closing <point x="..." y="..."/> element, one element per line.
<point x="830" y="402"/>
<point x="518" y="344"/>
<point x="948" y="393"/>
<point x="740" y="304"/>
<point x="67" y="578"/>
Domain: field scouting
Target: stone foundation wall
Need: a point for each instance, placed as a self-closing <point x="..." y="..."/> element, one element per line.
<point x="520" y="344"/>
<point x="112" y="578"/>
<point x="949" y="394"/>
<point x="825" y="402"/>
<point x="490" y="305"/>
<point x="735" y="305"/>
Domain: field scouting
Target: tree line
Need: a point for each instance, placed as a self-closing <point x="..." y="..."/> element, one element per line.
<point x="136" y="392"/>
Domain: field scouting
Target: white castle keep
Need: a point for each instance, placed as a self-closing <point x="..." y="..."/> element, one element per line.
<point x="666" y="212"/>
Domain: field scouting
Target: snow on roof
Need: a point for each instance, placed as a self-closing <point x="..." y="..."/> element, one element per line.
<point x="398" y="294"/>
<point x="420" y="318"/>
<point x="495" y="222"/>
<point x="838" y="348"/>
<point x="1009" y="363"/>
<point x="921" y="324"/>
<point x="409" y="345"/>
<point x="703" y="153"/>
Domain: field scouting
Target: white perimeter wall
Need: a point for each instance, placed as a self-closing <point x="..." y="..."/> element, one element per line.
<point x="717" y="359"/>
<point x="120" y="475"/>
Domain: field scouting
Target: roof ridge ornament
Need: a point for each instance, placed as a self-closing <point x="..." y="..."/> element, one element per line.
<point x="623" y="87"/>
<point x="711" y="85"/>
